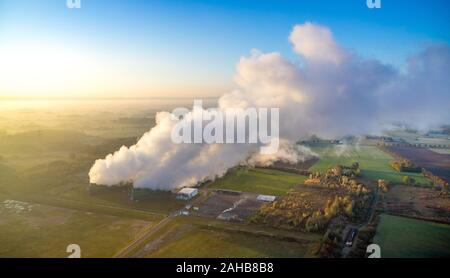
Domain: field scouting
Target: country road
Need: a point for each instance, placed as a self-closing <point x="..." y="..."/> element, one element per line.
<point x="371" y="213"/>
<point x="128" y="250"/>
<point x="84" y="206"/>
<point x="144" y="236"/>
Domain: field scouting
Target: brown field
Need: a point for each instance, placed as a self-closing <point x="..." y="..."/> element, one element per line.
<point x="299" y="166"/>
<point x="417" y="202"/>
<point x="236" y="206"/>
<point x="437" y="163"/>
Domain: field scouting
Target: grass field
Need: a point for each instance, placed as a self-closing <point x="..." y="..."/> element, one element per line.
<point x="153" y="201"/>
<point x="46" y="231"/>
<point x="401" y="237"/>
<point x="201" y="243"/>
<point x="262" y="181"/>
<point x="45" y="157"/>
<point x="374" y="162"/>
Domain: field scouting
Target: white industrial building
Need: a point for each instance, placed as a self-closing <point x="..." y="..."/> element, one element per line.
<point x="266" y="198"/>
<point x="187" y="193"/>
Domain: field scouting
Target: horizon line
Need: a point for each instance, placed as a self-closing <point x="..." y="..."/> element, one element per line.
<point x="100" y="98"/>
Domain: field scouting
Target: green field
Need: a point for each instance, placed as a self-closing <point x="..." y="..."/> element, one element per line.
<point x="145" y="200"/>
<point x="47" y="166"/>
<point x="261" y="181"/>
<point x="401" y="237"/>
<point x="45" y="157"/>
<point x="208" y="243"/>
<point x="374" y="162"/>
<point x="46" y="231"/>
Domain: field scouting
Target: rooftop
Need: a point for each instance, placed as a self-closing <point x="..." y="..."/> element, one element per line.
<point x="188" y="191"/>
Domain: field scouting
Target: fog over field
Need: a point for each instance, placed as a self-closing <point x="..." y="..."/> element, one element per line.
<point x="332" y="92"/>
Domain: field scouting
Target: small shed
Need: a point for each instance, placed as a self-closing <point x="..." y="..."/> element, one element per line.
<point x="187" y="193"/>
<point x="266" y="198"/>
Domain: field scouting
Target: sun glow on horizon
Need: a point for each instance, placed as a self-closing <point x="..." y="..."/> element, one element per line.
<point x="51" y="70"/>
<point x="31" y="69"/>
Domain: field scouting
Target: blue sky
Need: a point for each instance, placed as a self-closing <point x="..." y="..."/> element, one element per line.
<point x="186" y="47"/>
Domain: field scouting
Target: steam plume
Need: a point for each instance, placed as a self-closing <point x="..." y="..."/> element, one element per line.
<point x="332" y="93"/>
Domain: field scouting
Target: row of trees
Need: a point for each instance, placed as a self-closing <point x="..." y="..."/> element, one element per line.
<point x="299" y="211"/>
<point x="339" y="177"/>
<point x="405" y="165"/>
<point x="319" y="220"/>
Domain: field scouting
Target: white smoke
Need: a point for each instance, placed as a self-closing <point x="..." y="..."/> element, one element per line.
<point x="333" y="93"/>
<point x="288" y="153"/>
<point x="420" y="98"/>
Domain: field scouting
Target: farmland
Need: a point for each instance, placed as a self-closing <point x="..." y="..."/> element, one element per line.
<point x="47" y="167"/>
<point x="437" y="163"/>
<point x="373" y="162"/>
<point x="43" y="231"/>
<point x="262" y="181"/>
<point x="193" y="238"/>
<point x="417" y="202"/>
<point x="45" y="157"/>
<point x="441" y="151"/>
<point x="401" y="237"/>
<point x="218" y="244"/>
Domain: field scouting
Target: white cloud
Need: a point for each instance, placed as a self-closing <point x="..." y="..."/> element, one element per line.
<point x="316" y="43"/>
